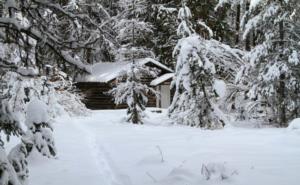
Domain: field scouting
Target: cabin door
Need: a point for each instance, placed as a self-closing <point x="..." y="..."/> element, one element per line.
<point x="165" y="96"/>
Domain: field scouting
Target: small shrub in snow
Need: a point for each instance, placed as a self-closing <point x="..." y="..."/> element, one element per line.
<point x="17" y="158"/>
<point x="8" y="175"/>
<point x="40" y="129"/>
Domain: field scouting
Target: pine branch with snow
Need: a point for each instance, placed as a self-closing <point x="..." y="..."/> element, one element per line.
<point x="133" y="92"/>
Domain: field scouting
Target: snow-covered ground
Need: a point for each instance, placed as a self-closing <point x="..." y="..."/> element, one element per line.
<point x="104" y="150"/>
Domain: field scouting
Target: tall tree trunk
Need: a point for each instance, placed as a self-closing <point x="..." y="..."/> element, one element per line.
<point x="237" y="24"/>
<point x="248" y="40"/>
<point x="1" y="8"/>
<point x="281" y="94"/>
<point x="281" y="101"/>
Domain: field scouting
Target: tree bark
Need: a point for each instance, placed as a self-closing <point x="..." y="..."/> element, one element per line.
<point x="281" y="94"/>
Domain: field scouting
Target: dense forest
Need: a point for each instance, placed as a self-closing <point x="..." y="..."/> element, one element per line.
<point x="249" y="47"/>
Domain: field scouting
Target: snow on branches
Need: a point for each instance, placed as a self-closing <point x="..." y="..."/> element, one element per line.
<point x="200" y="63"/>
<point x="194" y="76"/>
<point x="184" y="15"/>
<point x="8" y="175"/>
<point x="133" y="92"/>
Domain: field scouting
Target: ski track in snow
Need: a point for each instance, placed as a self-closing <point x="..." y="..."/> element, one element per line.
<point x="104" y="168"/>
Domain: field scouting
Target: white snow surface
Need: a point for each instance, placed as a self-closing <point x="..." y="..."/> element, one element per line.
<point x="295" y="124"/>
<point x="28" y="71"/>
<point x="104" y="150"/>
<point x="254" y="4"/>
<point x="162" y="79"/>
<point x="107" y="71"/>
<point x="220" y="88"/>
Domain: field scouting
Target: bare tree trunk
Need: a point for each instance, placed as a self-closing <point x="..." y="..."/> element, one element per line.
<point x="281" y="89"/>
<point x="248" y="42"/>
<point x="1" y="8"/>
<point x="237" y="24"/>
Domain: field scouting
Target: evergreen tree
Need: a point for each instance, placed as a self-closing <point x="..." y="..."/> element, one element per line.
<point x="194" y="101"/>
<point x="204" y="11"/>
<point x="163" y="16"/>
<point x="191" y="104"/>
<point x="133" y="92"/>
<point x="133" y="34"/>
<point x="273" y="62"/>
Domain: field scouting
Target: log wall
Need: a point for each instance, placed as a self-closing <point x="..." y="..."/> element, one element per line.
<point x="94" y="96"/>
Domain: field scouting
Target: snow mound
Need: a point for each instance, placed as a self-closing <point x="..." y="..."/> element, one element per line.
<point x="37" y="112"/>
<point x="220" y="88"/>
<point x="295" y="124"/>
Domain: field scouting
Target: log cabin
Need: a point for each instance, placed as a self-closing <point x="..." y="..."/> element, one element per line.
<point x="93" y="87"/>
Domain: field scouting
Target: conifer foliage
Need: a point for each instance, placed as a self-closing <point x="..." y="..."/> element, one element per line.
<point x="133" y="33"/>
<point x="133" y="92"/>
<point x="194" y="101"/>
<point x="270" y="76"/>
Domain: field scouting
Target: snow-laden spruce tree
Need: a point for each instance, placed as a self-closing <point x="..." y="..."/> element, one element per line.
<point x="191" y="103"/>
<point x="274" y="60"/>
<point x="131" y="91"/>
<point x="133" y="34"/>
<point x="199" y="62"/>
<point x="39" y="128"/>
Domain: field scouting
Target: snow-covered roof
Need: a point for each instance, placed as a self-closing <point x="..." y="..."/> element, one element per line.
<point x="107" y="71"/>
<point x="162" y="79"/>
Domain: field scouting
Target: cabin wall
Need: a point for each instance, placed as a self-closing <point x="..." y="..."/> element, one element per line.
<point x="95" y="98"/>
<point x="165" y="94"/>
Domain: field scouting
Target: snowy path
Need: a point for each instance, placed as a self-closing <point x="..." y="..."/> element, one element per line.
<point x="99" y="157"/>
<point x="101" y="150"/>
